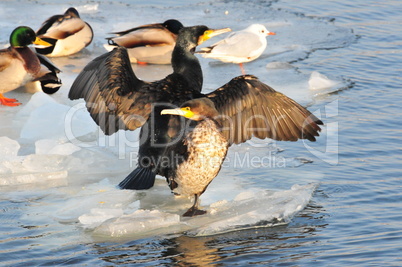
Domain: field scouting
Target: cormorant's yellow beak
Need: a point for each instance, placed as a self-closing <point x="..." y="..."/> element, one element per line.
<point x="184" y="112"/>
<point x="40" y="42"/>
<point x="211" y="33"/>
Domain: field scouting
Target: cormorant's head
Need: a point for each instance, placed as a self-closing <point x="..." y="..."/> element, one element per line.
<point x="196" y="35"/>
<point x="196" y="109"/>
<point x="173" y="25"/>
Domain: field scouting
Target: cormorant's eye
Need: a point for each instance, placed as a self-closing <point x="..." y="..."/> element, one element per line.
<point x="208" y="32"/>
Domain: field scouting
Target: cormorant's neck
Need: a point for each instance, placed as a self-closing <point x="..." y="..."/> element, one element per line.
<point x="185" y="63"/>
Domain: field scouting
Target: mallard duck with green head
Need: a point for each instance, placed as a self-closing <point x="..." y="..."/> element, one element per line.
<point x="20" y="65"/>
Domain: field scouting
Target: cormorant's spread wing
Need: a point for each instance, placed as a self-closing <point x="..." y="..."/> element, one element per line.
<point x="115" y="97"/>
<point x="248" y="107"/>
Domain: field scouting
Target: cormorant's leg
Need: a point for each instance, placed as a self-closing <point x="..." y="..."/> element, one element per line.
<point x="194" y="211"/>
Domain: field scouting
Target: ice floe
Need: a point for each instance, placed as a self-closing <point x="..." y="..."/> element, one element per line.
<point x="104" y="210"/>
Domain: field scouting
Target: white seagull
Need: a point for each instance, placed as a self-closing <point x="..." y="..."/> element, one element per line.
<point x="239" y="47"/>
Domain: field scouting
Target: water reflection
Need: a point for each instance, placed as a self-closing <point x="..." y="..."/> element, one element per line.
<point x="189" y="251"/>
<point x="180" y="251"/>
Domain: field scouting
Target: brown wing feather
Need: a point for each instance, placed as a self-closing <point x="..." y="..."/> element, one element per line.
<point x="249" y="108"/>
<point x="115" y="97"/>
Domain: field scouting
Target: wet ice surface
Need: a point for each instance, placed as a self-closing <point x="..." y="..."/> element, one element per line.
<point x="56" y="159"/>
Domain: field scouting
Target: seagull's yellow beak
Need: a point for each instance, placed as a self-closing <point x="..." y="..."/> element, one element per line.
<point x="211" y="33"/>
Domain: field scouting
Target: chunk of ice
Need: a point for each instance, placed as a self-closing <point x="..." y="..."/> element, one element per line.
<point x="139" y="222"/>
<point x="94" y="204"/>
<point x="51" y="146"/>
<point x="9" y="148"/>
<point x="98" y="216"/>
<point x="255" y="209"/>
<point x="249" y="209"/>
<point x="88" y="8"/>
<point x="279" y="65"/>
<point x="29" y="178"/>
<point x="319" y="81"/>
<point x="62" y="122"/>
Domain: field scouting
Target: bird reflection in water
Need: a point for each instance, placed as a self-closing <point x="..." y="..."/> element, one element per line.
<point x="191" y="251"/>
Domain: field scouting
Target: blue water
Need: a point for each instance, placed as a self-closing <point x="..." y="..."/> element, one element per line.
<point x="359" y="201"/>
<point x="353" y="218"/>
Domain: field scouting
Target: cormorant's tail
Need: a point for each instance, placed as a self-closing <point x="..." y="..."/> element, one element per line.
<point x="138" y="179"/>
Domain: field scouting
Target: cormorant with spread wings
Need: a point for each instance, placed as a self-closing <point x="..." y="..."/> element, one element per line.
<point x="187" y="149"/>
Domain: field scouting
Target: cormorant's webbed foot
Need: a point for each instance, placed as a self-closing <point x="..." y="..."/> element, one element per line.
<point x="194" y="211"/>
